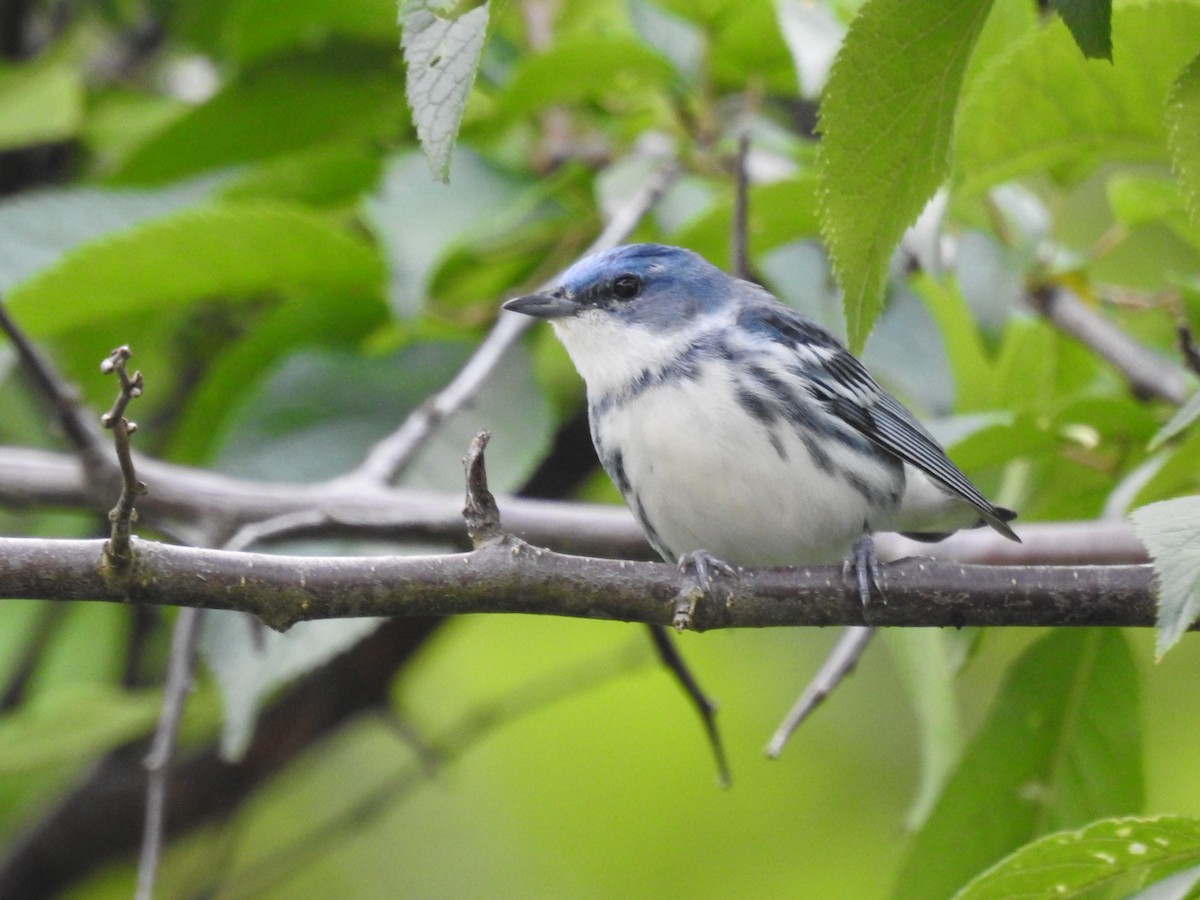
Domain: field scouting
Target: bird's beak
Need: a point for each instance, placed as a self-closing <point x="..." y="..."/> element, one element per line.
<point x="549" y="305"/>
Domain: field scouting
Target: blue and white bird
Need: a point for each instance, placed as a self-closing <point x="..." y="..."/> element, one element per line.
<point x="733" y="425"/>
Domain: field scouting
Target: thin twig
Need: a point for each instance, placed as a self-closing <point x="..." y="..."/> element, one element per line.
<point x="78" y="429"/>
<point x="841" y="662"/>
<point x="738" y="242"/>
<point x="670" y="657"/>
<point x="158" y="761"/>
<point x="123" y="515"/>
<point x="1148" y="374"/>
<point x="1187" y="346"/>
<point x="388" y="458"/>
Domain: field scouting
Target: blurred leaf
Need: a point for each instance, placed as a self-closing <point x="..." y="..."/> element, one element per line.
<point x="38" y="227"/>
<point x="674" y="37"/>
<point x="974" y="385"/>
<point x="992" y="446"/>
<point x="925" y="663"/>
<point x="779" y="212"/>
<point x="229" y="249"/>
<point x="328" y="174"/>
<point x="259" y="28"/>
<point x="1180" y="422"/>
<point x="813" y="35"/>
<point x="249" y="662"/>
<point x="1177" y="473"/>
<point x="1090" y="22"/>
<point x="1077" y="863"/>
<point x="301" y="320"/>
<point x="887" y="120"/>
<point x="279" y="106"/>
<point x="748" y="48"/>
<point x="74" y="722"/>
<point x="1171" y="532"/>
<point x="1059" y="748"/>
<point x="418" y="222"/>
<point x="1183" y="122"/>
<point x="40" y="102"/>
<point x="441" y="56"/>
<point x="1039" y="106"/>
<point x="1144" y="199"/>
<point x="582" y="67"/>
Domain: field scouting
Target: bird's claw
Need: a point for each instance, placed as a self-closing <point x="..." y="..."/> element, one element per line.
<point x="865" y="566"/>
<point x="700" y="565"/>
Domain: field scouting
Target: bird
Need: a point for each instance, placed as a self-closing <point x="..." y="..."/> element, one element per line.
<point x="741" y="433"/>
<point x="735" y="427"/>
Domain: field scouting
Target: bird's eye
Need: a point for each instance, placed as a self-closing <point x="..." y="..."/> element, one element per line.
<point x="626" y="287"/>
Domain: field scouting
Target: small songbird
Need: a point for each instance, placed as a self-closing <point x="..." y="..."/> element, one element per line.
<point x="733" y="425"/>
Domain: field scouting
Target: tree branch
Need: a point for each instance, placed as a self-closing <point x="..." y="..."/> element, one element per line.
<point x="509" y="576"/>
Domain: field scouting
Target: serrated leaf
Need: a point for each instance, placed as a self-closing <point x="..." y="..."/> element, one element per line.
<point x="218" y="250"/>
<point x="1183" y="138"/>
<point x="1171" y="532"/>
<point x="887" y="120"/>
<point x="1040" y="108"/>
<point x="1074" y="863"/>
<point x="40" y="101"/>
<point x="441" y="56"/>
<point x="1059" y="748"/>
<point x="1090" y="22"/>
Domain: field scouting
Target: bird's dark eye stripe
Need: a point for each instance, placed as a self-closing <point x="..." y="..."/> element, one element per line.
<point x="626" y="287"/>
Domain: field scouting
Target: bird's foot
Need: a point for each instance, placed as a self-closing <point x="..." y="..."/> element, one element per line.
<point x="701" y="566"/>
<point x="864" y="564"/>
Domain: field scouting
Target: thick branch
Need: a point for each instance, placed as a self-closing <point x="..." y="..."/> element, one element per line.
<point x="509" y="576"/>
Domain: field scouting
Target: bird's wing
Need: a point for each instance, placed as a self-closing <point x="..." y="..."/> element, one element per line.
<point x="844" y="387"/>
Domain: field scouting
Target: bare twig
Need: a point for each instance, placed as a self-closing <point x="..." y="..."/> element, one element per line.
<point x="840" y="663"/>
<point x="739" y="247"/>
<point x="391" y="455"/>
<point x="123" y="515"/>
<point x="1148" y="374"/>
<point x="670" y="657"/>
<point x="78" y="429"/>
<point x="481" y="513"/>
<point x="158" y="761"/>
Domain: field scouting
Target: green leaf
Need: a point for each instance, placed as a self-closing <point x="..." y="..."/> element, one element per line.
<point x="73" y="722"/>
<point x="1179" y="423"/>
<point x="1090" y="22"/>
<point x="974" y="386"/>
<point x="1039" y="108"/>
<point x="280" y="106"/>
<point x="1076" y="863"/>
<point x="40" y="102"/>
<point x="583" y="67"/>
<point x="249" y="662"/>
<point x="1171" y="532"/>
<point x="218" y="250"/>
<point x="1059" y="749"/>
<point x="1183" y="138"/>
<point x="887" y="121"/>
<point x="257" y="28"/>
<point x="925" y="663"/>
<point x="441" y="56"/>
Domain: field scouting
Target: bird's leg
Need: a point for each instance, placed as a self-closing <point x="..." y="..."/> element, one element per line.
<point x="865" y="564"/>
<point x="669" y="654"/>
<point x="700" y="564"/>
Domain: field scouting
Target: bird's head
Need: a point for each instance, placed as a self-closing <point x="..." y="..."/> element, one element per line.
<point x="621" y="310"/>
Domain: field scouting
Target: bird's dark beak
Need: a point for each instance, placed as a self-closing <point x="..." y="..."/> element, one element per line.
<point x="549" y="305"/>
